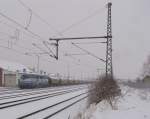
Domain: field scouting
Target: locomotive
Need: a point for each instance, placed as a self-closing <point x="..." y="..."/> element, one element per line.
<point x="32" y="80"/>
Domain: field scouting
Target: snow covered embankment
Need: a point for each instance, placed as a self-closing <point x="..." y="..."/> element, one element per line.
<point x="133" y="104"/>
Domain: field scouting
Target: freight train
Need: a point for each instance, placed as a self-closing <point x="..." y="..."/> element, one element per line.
<point x="31" y="80"/>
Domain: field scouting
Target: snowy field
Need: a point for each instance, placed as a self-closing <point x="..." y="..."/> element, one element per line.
<point x="133" y="104"/>
<point x="40" y="99"/>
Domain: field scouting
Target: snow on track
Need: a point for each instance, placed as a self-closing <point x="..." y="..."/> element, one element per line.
<point x="34" y="93"/>
<point x="10" y="91"/>
<point x="24" y="109"/>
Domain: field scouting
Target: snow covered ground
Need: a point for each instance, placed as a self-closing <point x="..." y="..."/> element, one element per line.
<point x="133" y="104"/>
<point x="75" y="93"/>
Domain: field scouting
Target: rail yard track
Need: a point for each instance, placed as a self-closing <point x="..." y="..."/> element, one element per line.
<point x="32" y="92"/>
<point x="46" y="103"/>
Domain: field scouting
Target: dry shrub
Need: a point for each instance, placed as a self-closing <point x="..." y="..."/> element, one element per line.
<point x="104" y="89"/>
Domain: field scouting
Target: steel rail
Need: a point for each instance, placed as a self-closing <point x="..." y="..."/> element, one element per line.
<point x="28" y="100"/>
<point x="31" y="97"/>
<point x="31" y="93"/>
<point x="18" y="91"/>
<point x="26" y="90"/>
<point x="43" y="109"/>
<point x="62" y="109"/>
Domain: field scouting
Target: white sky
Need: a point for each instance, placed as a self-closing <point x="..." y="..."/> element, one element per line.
<point x="130" y="26"/>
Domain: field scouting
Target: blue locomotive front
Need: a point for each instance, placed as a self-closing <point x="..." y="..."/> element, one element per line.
<point x="33" y="81"/>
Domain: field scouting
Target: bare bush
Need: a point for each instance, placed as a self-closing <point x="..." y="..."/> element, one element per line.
<point x="104" y="89"/>
<point x="146" y="67"/>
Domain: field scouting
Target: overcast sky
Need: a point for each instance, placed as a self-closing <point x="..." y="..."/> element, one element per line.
<point x="130" y="27"/>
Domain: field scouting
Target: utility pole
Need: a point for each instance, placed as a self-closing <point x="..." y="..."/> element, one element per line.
<point x="98" y="72"/>
<point x="109" y="69"/>
<point x="38" y="59"/>
<point x="38" y="63"/>
<point x="68" y="71"/>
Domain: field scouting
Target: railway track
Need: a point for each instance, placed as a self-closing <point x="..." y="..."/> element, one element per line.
<point x="35" y="98"/>
<point x="6" y="89"/>
<point x="31" y="93"/>
<point x="67" y="106"/>
<point x="4" y="92"/>
<point x="44" y="106"/>
<point x="73" y="100"/>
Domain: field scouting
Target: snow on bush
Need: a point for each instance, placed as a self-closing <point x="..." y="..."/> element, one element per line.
<point x="133" y="104"/>
<point x="104" y="89"/>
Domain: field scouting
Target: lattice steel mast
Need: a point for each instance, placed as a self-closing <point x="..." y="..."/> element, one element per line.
<point x="109" y="67"/>
<point x="108" y="61"/>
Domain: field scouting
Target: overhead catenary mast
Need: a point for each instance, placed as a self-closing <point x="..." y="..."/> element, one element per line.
<point x="109" y="67"/>
<point x="108" y="61"/>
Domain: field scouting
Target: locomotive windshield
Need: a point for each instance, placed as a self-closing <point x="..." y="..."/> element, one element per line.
<point x="33" y="76"/>
<point x="27" y="76"/>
